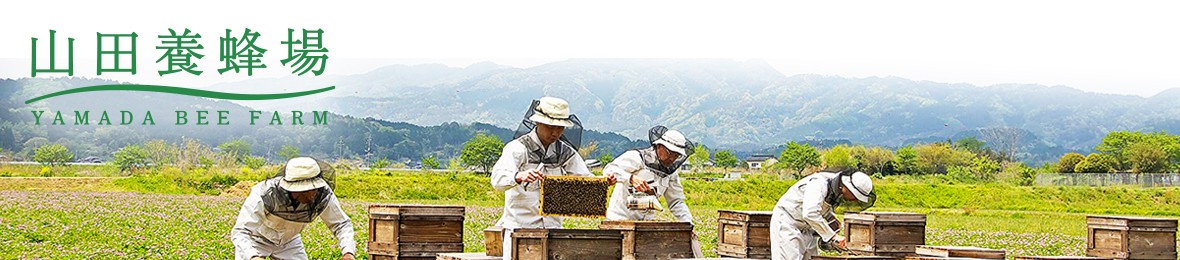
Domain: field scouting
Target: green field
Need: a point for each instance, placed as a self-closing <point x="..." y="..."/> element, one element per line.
<point x="168" y="214"/>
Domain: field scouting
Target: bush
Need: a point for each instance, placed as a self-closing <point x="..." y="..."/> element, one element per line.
<point x="254" y="162"/>
<point x="53" y="154"/>
<point x="1068" y="162"/>
<point x="839" y="156"/>
<point x="131" y="157"/>
<point x="1096" y="163"/>
<point x="431" y="162"/>
<point x="726" y="159"/>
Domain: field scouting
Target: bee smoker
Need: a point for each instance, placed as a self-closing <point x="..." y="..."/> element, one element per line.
<point x="644" y="201"/>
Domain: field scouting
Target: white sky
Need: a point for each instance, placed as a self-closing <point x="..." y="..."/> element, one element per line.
<point x="1125" y="47"/>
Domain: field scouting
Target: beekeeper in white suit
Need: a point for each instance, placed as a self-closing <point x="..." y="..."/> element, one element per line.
<point x="278" y="209"/>
<point x="542" y="149"/>
<point x="798" y="222"/>
<point x="646" y="175"/>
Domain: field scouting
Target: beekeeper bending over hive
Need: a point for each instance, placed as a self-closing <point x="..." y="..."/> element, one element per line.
<point x="546" y="145"/>
<point x="801" y="217"/>
<point x="278" y="209"/>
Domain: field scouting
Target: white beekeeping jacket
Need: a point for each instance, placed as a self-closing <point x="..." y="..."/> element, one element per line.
<point x="669" y="187"/>
<point x="804" y="203"/>
<point x="255" y="225"/>
<point x="522" y="205"/>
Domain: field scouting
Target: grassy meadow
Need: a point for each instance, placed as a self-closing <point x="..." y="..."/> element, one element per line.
<point x="96" y="212"/>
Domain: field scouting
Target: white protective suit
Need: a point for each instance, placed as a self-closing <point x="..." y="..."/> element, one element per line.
<point x="522" y="205"/>
<point x="798" y="218"/>
<point x="258" y="233"/>
<point x="633" y="163"/>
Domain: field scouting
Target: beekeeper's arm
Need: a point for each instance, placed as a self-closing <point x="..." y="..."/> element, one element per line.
<point x="675" y="197"/>
<point x="623" y="167"/>
<point x="505" y="170"/>
<point x="249" y="218"/>
<point x="813" y="199"/>
<point x="340" y="225"/>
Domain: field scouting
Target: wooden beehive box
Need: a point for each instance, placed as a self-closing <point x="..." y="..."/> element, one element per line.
<point x="493" y="240"/>
<point x="884" y="233"/>
<point x="467" y="256"/>
<point x="414" y="231"/>
<point x="543" y="244"/>
<point x="1131" y="237"/>
<point x="574" y="196"/>
<point x="961" y="251"/>
<point x="652" y="239"/>
<point x="1060" y="258"/>
<point x="744" y="234"/>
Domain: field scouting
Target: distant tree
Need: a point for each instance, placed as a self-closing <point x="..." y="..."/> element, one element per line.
<point x="726" y="159"/>
<point x="797" y="157"/>
<point x="430" y="162"/>
<point x="238" y="149"/>
<point x="1006" y="139"/>
<point x="161" y="153"/>
<point x="871" y="159"/>
<point x="839" y="156"/>
<point x="53" y="154"/>
<point x="481" y="151"/>
<point x="1096" y="163"/>
<point x="971" y="144"/>
<point x="131" y="157"/>
<point x="1118" y="144"/>
<point x="1069" y="161"/>
<point x="287" y="152"/>
<point x="906" y="160"/>
<point x="938" y="157"/>
<point x="699" y="157"/>
<point x="1147" y="158"/>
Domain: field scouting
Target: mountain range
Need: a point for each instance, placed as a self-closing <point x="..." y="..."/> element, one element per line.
<point x="743" y="105"/>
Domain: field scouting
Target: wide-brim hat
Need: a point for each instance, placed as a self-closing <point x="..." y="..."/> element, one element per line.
<point x="552" y="111"/>
<point x="302" y="174"/>
<point x="674" y="141"/>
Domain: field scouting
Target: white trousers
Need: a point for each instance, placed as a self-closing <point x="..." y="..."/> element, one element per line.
<point x="290" y="251"/>
<point x="507" y="249"/>
<point x="787" y="242"/>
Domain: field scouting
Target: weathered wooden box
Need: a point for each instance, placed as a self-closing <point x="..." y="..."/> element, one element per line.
<point x="1131" y="237"/>
<point x="493" y="240"/>
<point x="574" y="196"/>
<point x="542" y="244"/>
<point x="414" y="231"/>
<point x="961" y="251"/>
<point x="1060" y="258"/>
<point x="884" y="233"/>
<point x="652" y="239"/>
<point x="744" y="234"/>
<point x="467" y="256"/>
